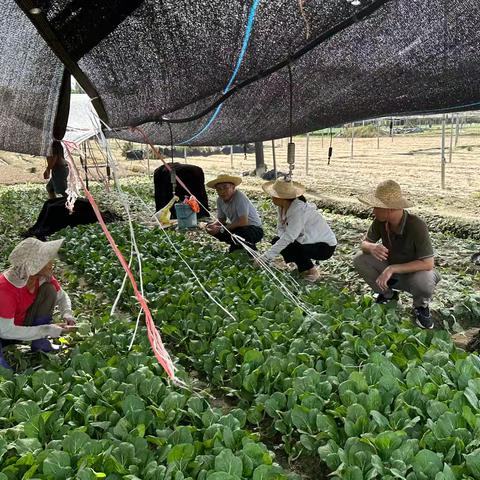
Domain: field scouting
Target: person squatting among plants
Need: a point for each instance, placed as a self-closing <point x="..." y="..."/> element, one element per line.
<point x="235" y="213"/>
<point x="404" y="260"/>
<point x="28" y="295"/>
<point x="303" y="233"/>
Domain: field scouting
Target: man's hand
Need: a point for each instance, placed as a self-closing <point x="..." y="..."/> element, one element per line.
<point x="46" y="174"/>
<point x="260" y="261"/>
<point x="384" y="277"/>
<point x="379" y="252"/>
<point x="213" y="228"/>
<point x="257" y="262"/>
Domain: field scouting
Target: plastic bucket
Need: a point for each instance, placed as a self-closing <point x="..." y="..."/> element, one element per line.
<point x="186" y="217"/>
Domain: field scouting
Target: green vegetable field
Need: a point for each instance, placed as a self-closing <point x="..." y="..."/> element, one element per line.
<point x="351" y="391"/>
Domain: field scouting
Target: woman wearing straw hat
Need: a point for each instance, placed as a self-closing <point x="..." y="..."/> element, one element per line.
<point x="236" y="214"/>
<point x="28" y="295"/>
<point x="303" y="233"/>
<point x="404" y="260"/>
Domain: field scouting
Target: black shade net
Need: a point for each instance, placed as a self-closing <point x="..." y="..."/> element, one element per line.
<point x="30" y="82"/>
<point x="151" y="59"/>
<point x="400" y="60"/>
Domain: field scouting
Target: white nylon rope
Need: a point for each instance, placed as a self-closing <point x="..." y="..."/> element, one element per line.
<point x="122" y="287"/>
<point x="252" y="253"/>
<point x="148" y="212"/>
<point x="204" y="289"/>
<point x="111" y="161"/>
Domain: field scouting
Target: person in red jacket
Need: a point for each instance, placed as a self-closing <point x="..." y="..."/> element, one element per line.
<point x="28" y="295"/>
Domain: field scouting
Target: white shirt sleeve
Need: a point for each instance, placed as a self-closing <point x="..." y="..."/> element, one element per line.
<point x="64" y="303"/>
<point x="294" y="226"/>
<point x="10" y="331"/>
<point x="280" y="224"/>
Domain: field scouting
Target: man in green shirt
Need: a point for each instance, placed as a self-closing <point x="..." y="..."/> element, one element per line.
<point x="404" y="260"/>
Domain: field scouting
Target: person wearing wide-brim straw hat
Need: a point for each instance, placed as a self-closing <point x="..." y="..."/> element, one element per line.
<point x="404" y="260"/>
<point x="225" y="178"/>
<point x="303" y="234"/>
<point x="28" y="295"/>
<point x="235" y="215"/>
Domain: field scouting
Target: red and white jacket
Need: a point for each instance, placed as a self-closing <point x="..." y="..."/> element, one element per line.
<point x="14" y="303"/>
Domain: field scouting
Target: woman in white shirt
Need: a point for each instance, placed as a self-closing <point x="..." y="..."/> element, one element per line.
<point x="303" y="233"/>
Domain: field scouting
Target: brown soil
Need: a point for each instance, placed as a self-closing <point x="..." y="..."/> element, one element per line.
<point x="414" y="161"/>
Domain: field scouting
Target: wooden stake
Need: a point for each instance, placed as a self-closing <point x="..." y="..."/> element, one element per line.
<point x="185" y="154"/>
<point x="231" y="156"/>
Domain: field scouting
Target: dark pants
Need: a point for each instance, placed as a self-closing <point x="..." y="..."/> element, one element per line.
<point x="420" y="284"/>
<point x="39" y="313"/>
<point x="54" y="216"/>
<point x="42" y="306"/>
<point x="302" y="254"/>
<point x="251" y="233"/>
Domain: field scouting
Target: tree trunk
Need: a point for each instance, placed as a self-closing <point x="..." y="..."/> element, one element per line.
<point x="259" y="159"/>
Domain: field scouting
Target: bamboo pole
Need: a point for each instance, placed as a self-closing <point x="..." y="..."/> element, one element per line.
<point x="85" y="167"/>
<point x="185" y="154"/>
<point x="351" y="146"/>
<point x="457" y="130"/>
<point x="231" y="157"/>
<point x="274" y="160"/>
<point x="378" y="134"/>
<point x="442" y="159"/>
<point x="450" y="150"/>
<point x="306" y="153"/>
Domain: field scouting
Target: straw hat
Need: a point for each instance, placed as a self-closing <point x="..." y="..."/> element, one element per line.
<point x="224" y="178"/>
<point x="282" y="188"/>
<point x="388" y="194"/>
<point x="31" y="255"/>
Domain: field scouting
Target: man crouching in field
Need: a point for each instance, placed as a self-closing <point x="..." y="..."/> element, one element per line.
<point x="404" y="259"/>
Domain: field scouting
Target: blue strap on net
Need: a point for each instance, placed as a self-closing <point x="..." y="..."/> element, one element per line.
<point x="243" y="51"/>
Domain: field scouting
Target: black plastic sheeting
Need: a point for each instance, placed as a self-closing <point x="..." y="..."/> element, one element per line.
<point x="30" y="83"/>
<point x="151" y="59"/>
